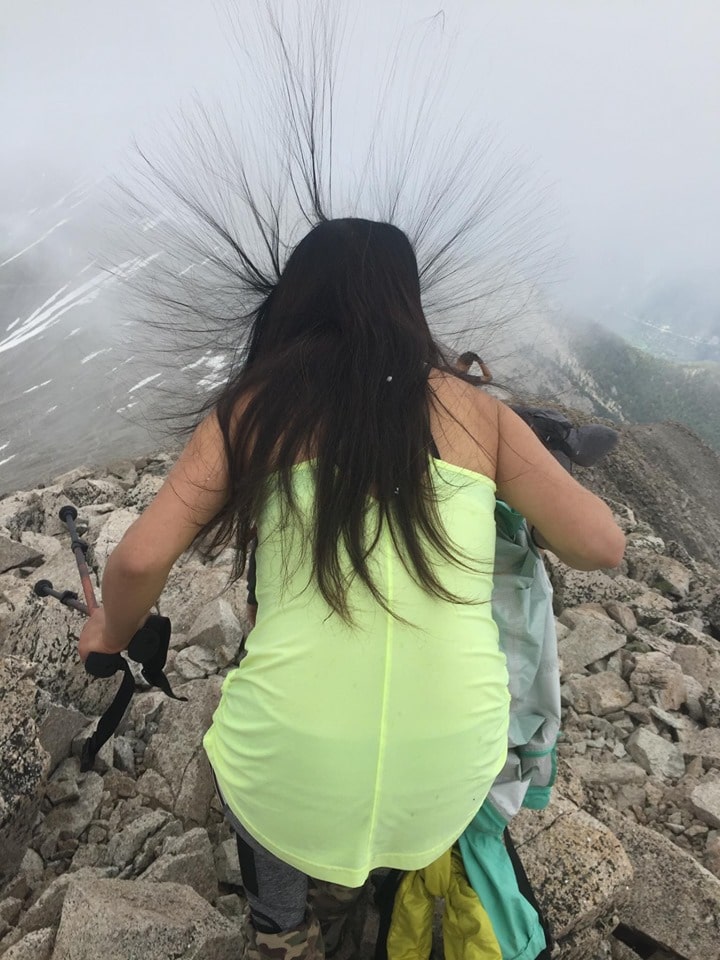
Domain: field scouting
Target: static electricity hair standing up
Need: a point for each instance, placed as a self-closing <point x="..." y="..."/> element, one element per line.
<point x="306" y="278"/>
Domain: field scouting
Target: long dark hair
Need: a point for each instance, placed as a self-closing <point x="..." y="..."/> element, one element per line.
<point x="316" y="321"/>
<point x="336" y="369"/>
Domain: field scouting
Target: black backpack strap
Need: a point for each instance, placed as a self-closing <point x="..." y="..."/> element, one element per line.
<point x="527" y="891"/>
<point x="385" y="890"/>
<point x="149" y="647"/>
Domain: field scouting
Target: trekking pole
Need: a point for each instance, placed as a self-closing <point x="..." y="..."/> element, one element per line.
<point x="68" y="515"/>
<point x="148" y="647"/>
<point x="44" y="588"/>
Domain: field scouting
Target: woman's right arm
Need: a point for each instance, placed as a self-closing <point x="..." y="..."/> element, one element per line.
<point x="576" y="525"/>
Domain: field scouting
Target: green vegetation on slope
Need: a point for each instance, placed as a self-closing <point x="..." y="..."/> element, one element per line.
<point x="648" y="388"/>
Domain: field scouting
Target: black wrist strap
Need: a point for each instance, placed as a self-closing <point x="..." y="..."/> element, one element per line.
<point x="149" y="647"/>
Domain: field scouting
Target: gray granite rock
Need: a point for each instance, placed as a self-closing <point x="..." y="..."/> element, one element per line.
<point x="156" y="788"/>
<point x="217" y="629"/>
<point x="712" y="611"/>
<point x="37" y="945"/>
<point x="142" y="494"/>
<point x="125" y="845"/>
<point x="672" y="900"/>
<point x="57" y="727"/>
<point x="191" y="586"/>
<point x="658" y="680"/>
<point x="658" y="757"/>
<point x="136" y="920"/>
<point x="24" y="764"/>
<point x="45" y="911"/>
<point x="661" y="573"/>
<point x="227" y="863"/>
<point x="91" y="490"/>
<point x="22" y="511"/>
<point x="14" y="554"/>
<point x="72" y="818"/>
<point x="46" y="633"/>
<point x="588" y="641"/>
<point x="111" y="533"/>
<point x="187" y="859"/>
<point x="195" y="663"/>
<point x="600" y="693"/>
<point x="577" y="867"/>
<point x="622" y="614"/>
<point x="700" y="663"/>
<point x="702" y="743"/>
<point x="571" y="587"/>
<point x="177" y="754"/>
<point x="602" y="772"/>
<point x="705" y="801"/>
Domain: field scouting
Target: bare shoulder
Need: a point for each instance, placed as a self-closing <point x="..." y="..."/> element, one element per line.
<point x="464" y="396"/>
<point x="465" y="423"/>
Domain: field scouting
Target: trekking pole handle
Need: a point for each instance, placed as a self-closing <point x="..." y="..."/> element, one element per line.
<point x="68" y="515"/>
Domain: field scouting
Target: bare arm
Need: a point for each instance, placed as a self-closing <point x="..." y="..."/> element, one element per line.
<point x="138" y="568"/>
<point x="574" y="523"/>
<point x="487" y="375"/>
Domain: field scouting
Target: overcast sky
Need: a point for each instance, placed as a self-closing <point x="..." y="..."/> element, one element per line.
<point x="615" y="102"/>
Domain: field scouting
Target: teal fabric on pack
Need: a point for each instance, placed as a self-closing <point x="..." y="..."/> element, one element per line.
<point x="522" y="609"/>
<point x="491" y="874"/>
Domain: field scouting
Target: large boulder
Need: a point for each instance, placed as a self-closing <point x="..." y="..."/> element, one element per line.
<point x="176" y="752"/>
<point x="577" y="867"/>
<point x="191" y="586"/>
<point x="136" y="920"/>
<point x="658" y="680"/>
<point x="705" y="802"/>
<point x="571" y="587"/>
<point x="46" y="633"/>
<point x="218" y="631"/>
<point x="187" y="859"/>
<point x="657" y="756"/>
<point x="600" y="693"/>
<point x="661" y="573"/>
<point x="24" y="764"/>
<point x="22" y="511"/>
<point x="590" y="639"/>
<point x="673" y="901"/>
<point x="46" y="908"/>
<point x="105" y="538"/>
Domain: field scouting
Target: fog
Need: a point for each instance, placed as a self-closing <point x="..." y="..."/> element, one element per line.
<point x="614" y="105"/>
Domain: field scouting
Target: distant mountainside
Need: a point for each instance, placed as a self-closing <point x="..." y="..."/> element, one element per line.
<point x="590" y="368"/>
<point x="670" y="479"/>
<point x="78" y="386"/>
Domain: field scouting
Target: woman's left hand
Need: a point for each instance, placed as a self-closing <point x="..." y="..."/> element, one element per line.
<point x="93" y="638"/>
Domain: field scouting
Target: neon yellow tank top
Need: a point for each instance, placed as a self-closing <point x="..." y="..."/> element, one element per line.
<point x="343" y="748"/>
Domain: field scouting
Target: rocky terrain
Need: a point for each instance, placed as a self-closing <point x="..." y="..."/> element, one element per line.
<point x="133" y="858"/>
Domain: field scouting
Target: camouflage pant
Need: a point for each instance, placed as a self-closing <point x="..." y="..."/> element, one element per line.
<point x="332" y="929"/>
<point x="341" y="912"/>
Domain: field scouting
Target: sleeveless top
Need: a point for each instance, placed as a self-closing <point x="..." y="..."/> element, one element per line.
<point x="343" y="747"/>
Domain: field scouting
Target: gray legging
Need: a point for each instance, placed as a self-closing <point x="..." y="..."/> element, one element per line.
<point x="278" y="896"/>
<point x="276" y="892"/>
